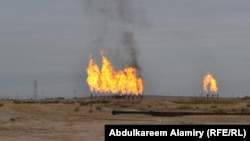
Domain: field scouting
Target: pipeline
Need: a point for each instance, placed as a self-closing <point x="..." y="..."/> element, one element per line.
<point x="172" y="114"/>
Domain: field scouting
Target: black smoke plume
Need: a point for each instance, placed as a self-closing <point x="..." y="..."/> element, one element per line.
<point x="113" y="23"/>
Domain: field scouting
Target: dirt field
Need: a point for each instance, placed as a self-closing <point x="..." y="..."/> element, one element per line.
<point x="79" y="120"/>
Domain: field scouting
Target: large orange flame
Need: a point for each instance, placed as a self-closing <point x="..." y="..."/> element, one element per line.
<point x="107" y="80"/>
<point x="210" y="84"/>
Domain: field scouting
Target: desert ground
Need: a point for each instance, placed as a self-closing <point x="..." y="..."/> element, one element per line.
<point x="84" y="119"/>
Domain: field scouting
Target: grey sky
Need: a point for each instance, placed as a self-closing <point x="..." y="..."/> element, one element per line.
<point x="50" y="41"/>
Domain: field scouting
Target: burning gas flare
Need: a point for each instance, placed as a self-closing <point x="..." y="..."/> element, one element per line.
<point x="107" y="80"/>
<point x="210" y="84"/>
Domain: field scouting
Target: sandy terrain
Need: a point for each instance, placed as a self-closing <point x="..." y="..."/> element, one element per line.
<point x="79" y="120"/>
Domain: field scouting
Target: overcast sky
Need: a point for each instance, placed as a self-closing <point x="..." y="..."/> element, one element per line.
<point x="177" y="42"/>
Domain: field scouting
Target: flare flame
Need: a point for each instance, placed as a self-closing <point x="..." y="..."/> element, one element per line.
<point x="210" y="84"/>
<point x="107" y="80"/>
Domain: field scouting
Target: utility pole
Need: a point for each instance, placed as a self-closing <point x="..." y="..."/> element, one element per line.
<point x="75" y="93"/>
<point x="42" y="94"/>
<point x="35" y="90"/>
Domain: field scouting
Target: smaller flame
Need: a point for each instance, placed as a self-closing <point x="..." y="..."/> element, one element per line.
<point x="210" y="84"/>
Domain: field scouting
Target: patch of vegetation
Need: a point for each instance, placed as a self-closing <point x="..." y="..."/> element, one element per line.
<point x="206" y="101"/>
<point x="90" y="111"/>
<point x="234" y="110"/>
<point x="1" y="104"/>
<point x="36" y="102"/>
<point x="244" y="110"/>
<point x="219" y="110"/>
<point x="185" y="107"/>
<point x="85" y="103"/>
<point x="98" y="108"/>
<point x="50" y="102"/>
<point x="214" y="106"/>
<point x="68" y="102"/>
<point x="24" y="102"/>
<point x="248" y="105"/>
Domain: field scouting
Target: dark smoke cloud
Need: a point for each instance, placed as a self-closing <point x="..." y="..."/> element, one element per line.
<point x="111" y="10"/>
<point x="128" y="43"/>
<point x="113" y="23"/>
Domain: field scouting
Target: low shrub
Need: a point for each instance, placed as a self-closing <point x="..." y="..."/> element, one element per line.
<point x="213" y="106"/>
